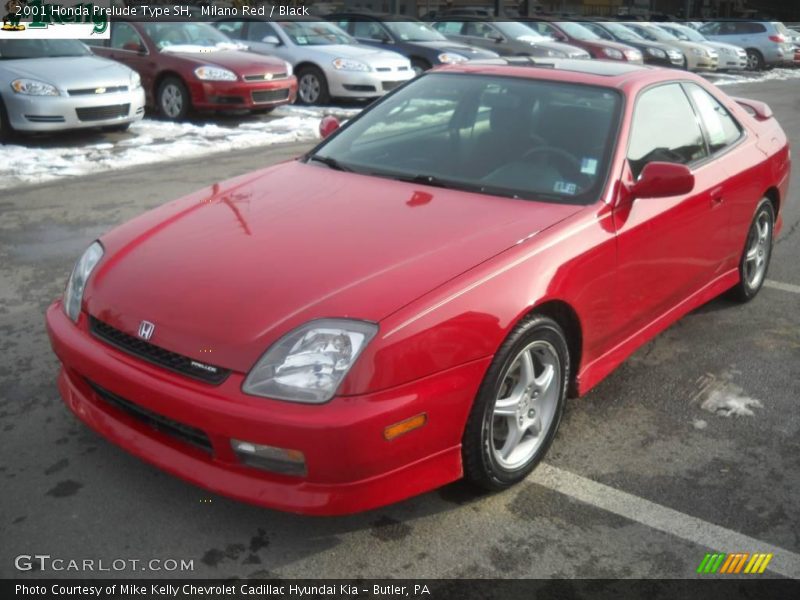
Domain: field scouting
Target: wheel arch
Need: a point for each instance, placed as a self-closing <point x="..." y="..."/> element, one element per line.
<point x="567" y="318"/>
<point x="774" y="197"/>
<point x="161" y="77"/>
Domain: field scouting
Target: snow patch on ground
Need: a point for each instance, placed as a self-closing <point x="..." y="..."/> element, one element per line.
<point x="723" y="79"/>
<point x="718" y="395"/>
<point x="155" y="141"/>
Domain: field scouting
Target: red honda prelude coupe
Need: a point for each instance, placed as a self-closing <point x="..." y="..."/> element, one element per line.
<point x="412" y="301"/>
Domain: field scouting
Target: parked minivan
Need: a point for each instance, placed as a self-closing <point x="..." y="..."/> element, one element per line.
<point x="767" y="43"/>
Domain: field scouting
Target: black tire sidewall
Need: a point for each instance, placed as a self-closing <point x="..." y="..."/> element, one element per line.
<point x="187" y="101"/>
<point x="420" y="63"/>
<point x="759" y="59"/>
<point x="479" y="462"/>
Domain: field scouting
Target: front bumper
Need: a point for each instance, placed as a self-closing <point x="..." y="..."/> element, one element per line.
<point x="247" y="95"/>
<point x="358" y="84"/>
<point x="56" y="113"/>
<point x="350" y="466"/>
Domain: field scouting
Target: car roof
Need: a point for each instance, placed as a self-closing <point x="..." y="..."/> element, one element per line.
<point x="590" y="72"/>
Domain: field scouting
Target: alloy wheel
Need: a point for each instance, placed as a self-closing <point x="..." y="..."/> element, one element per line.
<point x="172" y="100"/>
<point x="758" y="250"/>
<point x="309" y="88"/>
<point x="526" y="405"/>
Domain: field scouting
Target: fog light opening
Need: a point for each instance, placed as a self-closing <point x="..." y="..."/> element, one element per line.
<point x="270" y="458"/>
<point x="403" y="427"/>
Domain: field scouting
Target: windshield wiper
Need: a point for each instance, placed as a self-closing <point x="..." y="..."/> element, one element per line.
<point x="328" y="161"/>
<point x="434" y="181"/>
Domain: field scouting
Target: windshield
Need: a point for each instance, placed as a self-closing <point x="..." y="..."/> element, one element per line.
<point x="314" y="33"/>
<point x="578" y="31"/>
<point x="414" y="31"/>
<point x="507" y="136"/>
<point x="165" y="35"/>
<point x="516" y="30"/>
<point x="654" y="34"/>
<point x="28" y="48"/>
<point x="623" y="33"/>
<point x="687" y="34"/>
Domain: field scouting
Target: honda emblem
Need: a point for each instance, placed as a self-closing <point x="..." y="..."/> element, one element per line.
<point x="146" y="329"/>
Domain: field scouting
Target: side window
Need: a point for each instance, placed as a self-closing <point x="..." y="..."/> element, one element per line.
<point x="479" y="29"/>
<point x="448" y="27"/>
<point x="125" y="37"/>
<point x="710" y="29"/>
<point x="258" y="30"/>
<point x="597" y="30"/>
<point x="722" y="128"/>
<point x="753" y="28"/>
<point x="344" y="25"/>
<point x="233" y="29"/>
<point x="369" y="30"/>
<point x="665" y="129"/>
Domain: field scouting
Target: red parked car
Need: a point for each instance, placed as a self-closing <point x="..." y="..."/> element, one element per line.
<point x="411" y="302"/>
<point x="577" y="34"/>
<point x="187" y="66"/>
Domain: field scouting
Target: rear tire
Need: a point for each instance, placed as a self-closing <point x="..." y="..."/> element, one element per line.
<point x="755" y="60"/>
<point x="519" y="405"/>
<point x="172" y="99"/>
<point x="754" y="263"/>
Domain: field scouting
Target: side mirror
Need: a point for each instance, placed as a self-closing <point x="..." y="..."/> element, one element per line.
<point x="497" y="39"/>
<point x="663" y="179"/>
<point x="133" y="47"/>
<point x="327" y="126"/>
<point x="271" y="39"/>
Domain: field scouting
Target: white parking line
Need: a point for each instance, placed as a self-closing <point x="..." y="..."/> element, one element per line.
<point x="664" y="519"/>
<point x="786" y="287"/>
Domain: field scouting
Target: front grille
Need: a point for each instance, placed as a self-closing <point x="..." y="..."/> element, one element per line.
<point x="359" y="88"/>
<point x="232" y="100"/>
<point x="266" y="77"/>
<point x="186" y="433"/>
<point x="270" y="95"/>
<point x="383" y="69"/>
<point x="158" y="356"/>
<point x="100" y="113"/>
<point x="390" y="85"/>
<point x="98" y="90"/>
<point x="44" y="119"/>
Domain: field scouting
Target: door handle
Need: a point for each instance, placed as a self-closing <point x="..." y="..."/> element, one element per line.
<point x="716" y="197"/>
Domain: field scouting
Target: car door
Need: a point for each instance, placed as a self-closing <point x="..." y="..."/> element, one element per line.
<point x="669" y="248"/>
<point x="257" y="32"/>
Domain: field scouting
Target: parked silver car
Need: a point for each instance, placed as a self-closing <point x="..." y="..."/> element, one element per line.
<point x="328" y="63"/>
<point x="732" y="58"/>
<point x="54" y="84"/>
<point x="767" y="43"/>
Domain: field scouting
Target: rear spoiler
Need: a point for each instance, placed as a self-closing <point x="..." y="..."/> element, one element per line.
<point x="760" y="110"/>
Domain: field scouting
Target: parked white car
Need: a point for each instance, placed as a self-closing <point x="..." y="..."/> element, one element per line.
<point x="327" y="62"/>
<point x="731" y="57"/>
<point x="55" y="84"/>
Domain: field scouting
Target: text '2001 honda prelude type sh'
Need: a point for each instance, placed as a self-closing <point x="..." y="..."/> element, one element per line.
<point x="412" y="301"/>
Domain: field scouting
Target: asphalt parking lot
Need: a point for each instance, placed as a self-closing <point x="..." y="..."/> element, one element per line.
<point x="643" y="479"/>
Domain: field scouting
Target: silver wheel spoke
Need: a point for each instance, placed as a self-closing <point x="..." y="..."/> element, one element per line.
<point x="515" y="434"/>
<point x="544" y="380"/>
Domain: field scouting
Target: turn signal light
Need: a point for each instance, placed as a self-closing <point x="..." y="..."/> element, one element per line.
<point x="398" y="429"/>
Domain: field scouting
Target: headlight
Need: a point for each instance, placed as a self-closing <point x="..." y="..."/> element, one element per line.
<point x="633" y="55"/>
<point x="556" y="54"/>
<point x="346" y="64"/>
<point x="31" y="87"/>
<point x="136" y="81"/>
<point x="308" y="364"/>
<point x="675" y="54"/>
<point x="450" y="58"/>
<point x="209" y="73"/>
<point x="612" y="53"/>
<point x="73" y="295"/>
<point x="657" y="52"/>
<point x="289" y="69"/>
<point x="698" y="52"/>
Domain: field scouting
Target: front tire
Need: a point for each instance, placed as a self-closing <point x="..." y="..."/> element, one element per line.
<point x="755" y="60"/>
<point x="519" y="405"/>
<point x="173" y="99"/>
<point x="754" y="263"/>
<point x="7" y="132"/>
<point x="312" y="87"/>
<point x="419" y="66"/>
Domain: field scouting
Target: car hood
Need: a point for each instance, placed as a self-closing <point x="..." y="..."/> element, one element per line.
<point x="724" y="47"/>
<point x="362" y="52"/>
<point x="70" y="72"/>
<point x="226" y="271"/>
<point x="463" y="49"/>
<point x="238" y="61"/>
<point x="568" y="49"/>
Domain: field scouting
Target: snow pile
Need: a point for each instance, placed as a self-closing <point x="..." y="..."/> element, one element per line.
<point x="722" y="79"/>
<point x="159" y="141"/>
